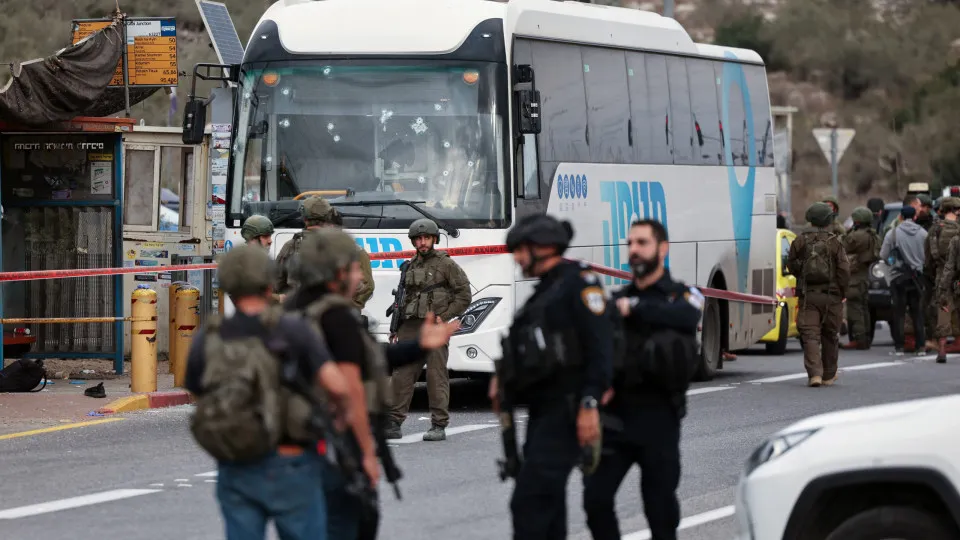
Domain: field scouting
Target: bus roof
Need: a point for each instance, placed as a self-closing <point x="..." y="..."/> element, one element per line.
<point x="415" y="27"/>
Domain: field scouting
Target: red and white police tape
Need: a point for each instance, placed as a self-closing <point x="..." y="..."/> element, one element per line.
<point x="32" y="275"/>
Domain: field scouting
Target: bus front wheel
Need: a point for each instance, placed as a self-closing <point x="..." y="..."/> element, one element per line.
<point x="710" y="341"/>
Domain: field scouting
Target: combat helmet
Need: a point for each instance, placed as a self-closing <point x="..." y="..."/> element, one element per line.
<point x="322" y="254"/>
<point x="862" y="215"/>
<point x="819" y="214"/>
<point x="832" y="200"/>
<point x="245" y="270"/>
<point x="540" y="230"/>
<point x="256" y="226"/>
<point x="950" y="204"/>
<point x="317" y="210"/>
<point x="422" y="227"/>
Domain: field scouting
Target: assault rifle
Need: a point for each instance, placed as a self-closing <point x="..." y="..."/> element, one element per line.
<point x="509" y="466"/>
<point x="399" y="297"/>
<point x="345" y="448"/>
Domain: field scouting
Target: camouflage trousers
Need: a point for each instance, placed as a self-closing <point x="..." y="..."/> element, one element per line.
<point x="858" y="313"/>
<point x="930" y="309"/>
<point x="818" y="322"/>
<point x="404" y="379"/>
<point x="947" y="321"/>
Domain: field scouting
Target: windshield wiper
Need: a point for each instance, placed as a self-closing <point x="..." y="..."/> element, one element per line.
<point x="451" y="230"/>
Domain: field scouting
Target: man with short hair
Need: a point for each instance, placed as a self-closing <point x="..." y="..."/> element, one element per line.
<point x="903" y="249"/>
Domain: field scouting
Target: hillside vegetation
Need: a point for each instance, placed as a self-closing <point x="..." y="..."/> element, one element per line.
<point x="888" y="68"/>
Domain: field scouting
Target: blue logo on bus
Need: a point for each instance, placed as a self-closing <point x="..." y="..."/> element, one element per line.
<point x="572" y="186"/>
<point x="628" y="201"/>
<point x="377" y="244"/>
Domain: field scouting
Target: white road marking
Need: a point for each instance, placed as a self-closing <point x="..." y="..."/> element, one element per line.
<point x="418" y="437"/>
<point x="184" y="485"/>
<point x="211" y="473"/>
<point x="689" y="522"/>
<point x="708" y="390"/>
<point x="156" y="485"/>
<point x="794" y="376"/>
<point x="181" y="480"/>
<point x="74" y="502"/>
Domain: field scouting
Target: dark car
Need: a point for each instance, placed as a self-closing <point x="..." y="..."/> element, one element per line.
<point x="878" y="293"/>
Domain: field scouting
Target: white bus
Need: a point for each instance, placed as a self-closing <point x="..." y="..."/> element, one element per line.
<point x="400" y="109"/>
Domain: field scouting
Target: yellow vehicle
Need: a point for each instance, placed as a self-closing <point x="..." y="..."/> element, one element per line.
<point x="786" y="328"/>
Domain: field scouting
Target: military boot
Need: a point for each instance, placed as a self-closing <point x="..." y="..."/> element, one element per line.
<point x="392" y="430"/>
<point x="815" y="381"/>
<point x="436" y="433"/>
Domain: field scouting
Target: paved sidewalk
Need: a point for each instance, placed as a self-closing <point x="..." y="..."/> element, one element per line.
<point x="62" y="401"/>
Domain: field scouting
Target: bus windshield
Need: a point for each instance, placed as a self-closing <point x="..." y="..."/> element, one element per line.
<point x="430" y="133"/>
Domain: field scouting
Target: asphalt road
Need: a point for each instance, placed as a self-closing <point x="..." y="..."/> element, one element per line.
<point x="451" y="489"/>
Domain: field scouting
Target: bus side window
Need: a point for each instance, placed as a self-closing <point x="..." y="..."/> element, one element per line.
<point x="529" y="172"/>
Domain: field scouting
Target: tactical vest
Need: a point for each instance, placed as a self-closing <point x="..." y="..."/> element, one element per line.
<point x="424" y="293"/>
<point x="942" y="234"/>
<point x="295" y="249"/>
<point x="374" y="363"/>
<point x="245" y="410"/>
<point x="534" y="352"/>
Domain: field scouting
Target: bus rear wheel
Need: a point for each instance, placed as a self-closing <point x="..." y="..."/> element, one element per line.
<point x="710" y="342"/>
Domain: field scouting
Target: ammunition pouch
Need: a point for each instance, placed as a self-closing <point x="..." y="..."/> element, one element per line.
<point x="666" y="360"/>
<point x="533" y="354"/>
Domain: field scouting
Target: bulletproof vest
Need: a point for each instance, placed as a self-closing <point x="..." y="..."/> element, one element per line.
<point x="942" y="234"/>
<point x="373" y="363"/>
<point x="245" y="410"/>
<point x="533" y="351"/>
<point x="819" y="266"/>
<point x="424" y="288"/>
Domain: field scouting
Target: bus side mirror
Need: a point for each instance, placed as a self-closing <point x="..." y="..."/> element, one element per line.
<point x="194" y="121"/>
<point x="528" y="108"/>
<point x="783" y="267"/>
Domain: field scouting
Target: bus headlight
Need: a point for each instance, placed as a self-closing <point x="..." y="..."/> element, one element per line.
<point x="475" y="313"/>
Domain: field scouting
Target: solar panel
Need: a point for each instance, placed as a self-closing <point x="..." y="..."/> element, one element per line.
<point x="222" y="32"/>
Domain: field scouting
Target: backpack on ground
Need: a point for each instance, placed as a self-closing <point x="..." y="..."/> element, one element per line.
<point x="819" y="267"/>
<point x="238" y="416"/>
<point x="23" y="375"/>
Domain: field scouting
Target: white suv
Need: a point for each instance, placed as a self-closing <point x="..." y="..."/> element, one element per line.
<point x="874" y="473"/>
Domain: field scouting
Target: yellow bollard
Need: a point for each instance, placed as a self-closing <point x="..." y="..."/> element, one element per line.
<point x="188" y="317"/>
<point x="172" y="312"/>
<point x="143" y="344"/>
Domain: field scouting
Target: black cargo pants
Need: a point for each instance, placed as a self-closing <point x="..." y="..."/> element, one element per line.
<point x="648" y="436"/>
<point x="539" y="503"/>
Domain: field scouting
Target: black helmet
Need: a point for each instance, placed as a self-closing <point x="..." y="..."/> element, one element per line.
<point x="540" y="230"/>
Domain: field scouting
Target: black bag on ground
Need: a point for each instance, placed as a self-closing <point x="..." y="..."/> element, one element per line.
<point x="23" y="376"/>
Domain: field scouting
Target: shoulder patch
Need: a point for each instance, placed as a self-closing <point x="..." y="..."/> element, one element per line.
<point x="589" y="277"/>
<point x="594" y="299"/>
<point x="694" y="297"/>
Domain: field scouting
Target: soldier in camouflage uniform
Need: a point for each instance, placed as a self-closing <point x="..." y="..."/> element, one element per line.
<point x="317" y="213"/>
<point x="258" y="230"/>
<point x="928" y="219"/>
<point x="819" y="261"/>
<point x="862" y="245"/>
<point x="434" y="283"/>
<point x="946" y="250"/>
<point x="835" y="226"/>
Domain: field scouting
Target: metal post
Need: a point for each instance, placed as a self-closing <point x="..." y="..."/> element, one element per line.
<point x="172" y="315"/>
<point x="833" y="161"/>
<point x="143" y="340"/>
<point x="789" y="199"/>
<point x="126" y="69"/>
<point x="188" y="316"/>
<point x="668" y="8"/>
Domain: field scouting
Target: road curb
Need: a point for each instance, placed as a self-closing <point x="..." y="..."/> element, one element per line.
<point x="153" y="400"/>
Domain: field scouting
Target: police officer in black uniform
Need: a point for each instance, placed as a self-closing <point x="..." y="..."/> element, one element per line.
<point x="642" y="421"/>
<point x="558" y="361"/>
